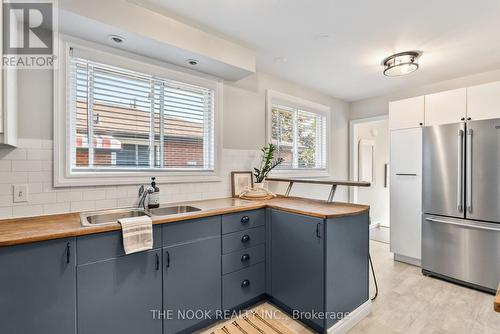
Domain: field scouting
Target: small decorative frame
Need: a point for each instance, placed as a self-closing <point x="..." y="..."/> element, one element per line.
<point x="240" y="180"/>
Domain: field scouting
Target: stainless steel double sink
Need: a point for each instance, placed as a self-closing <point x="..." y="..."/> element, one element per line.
<point x="104" y="217"/>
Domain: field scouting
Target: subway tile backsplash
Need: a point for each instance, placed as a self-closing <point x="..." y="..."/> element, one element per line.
<point x="31" y="163"/>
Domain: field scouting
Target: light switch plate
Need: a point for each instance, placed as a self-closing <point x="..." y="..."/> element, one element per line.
<point x="20" y="192"/>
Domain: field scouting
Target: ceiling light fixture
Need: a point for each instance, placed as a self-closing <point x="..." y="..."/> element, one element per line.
<point x="116" y="39"/>
<point x="401" y="63"/>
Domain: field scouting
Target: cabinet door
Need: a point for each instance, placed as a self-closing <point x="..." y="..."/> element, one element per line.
<point x="445" y="107"/>
<point x="483" y="101"/>
<point x="297" y="261"/>
<point x="192" y="282"/>
<point x="406" y="192"/>
<point x="406" y="114"/>
<point x="38" y="288"/>
<point x="118" y="295"/>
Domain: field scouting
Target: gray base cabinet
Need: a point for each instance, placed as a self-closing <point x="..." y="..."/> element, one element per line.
<point x="191" y="283"/>
<point x="38" y="288"/>
<point x="191" y="273"/>
<point x="319" y="265"/>
<point x="297" y="255"/>
<point x="118" y="295"/>
<point x="346" y="271"/>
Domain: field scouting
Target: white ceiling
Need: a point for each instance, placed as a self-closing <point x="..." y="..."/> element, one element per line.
<point x="458" y="37"/>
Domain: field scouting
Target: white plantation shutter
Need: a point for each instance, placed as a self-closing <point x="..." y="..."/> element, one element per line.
<point x="300" y="136"/>
<point x="127" y="120"/>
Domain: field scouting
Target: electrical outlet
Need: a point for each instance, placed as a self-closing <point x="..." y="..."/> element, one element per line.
<point x="20" y="193"/>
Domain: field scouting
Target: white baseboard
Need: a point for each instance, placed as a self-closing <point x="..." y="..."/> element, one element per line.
<point x="343" y="326"/>
<point x="408" y="260"/>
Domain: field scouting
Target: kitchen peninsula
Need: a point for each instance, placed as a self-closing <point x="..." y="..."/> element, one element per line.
<point x="307" y="257"/>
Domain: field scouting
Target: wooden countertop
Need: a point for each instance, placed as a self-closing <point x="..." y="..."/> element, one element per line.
<point x="496" y="304"/>
<point x="25" y="230"/>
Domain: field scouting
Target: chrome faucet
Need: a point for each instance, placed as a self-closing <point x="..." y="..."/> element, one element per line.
<point x="143" y="193"/>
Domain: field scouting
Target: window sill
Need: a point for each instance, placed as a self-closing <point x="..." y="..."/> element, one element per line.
<point x="300" y="173"/>
<point x="116" y="179"/>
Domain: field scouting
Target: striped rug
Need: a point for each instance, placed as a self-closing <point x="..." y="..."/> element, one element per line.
<point x="255" y="322"/>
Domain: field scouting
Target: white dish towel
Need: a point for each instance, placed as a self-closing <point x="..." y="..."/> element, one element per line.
<point x="137" y="234"/>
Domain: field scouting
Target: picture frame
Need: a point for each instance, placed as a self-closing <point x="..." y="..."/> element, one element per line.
<point x="240" y="180"/>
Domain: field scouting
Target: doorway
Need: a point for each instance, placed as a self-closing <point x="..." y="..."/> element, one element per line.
<point x="369" y="161"/>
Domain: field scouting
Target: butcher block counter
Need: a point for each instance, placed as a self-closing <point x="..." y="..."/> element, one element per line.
<point x="40" y="228"/>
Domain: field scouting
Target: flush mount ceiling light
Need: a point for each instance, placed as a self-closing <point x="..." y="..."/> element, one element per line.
<point x="401" y="63"/>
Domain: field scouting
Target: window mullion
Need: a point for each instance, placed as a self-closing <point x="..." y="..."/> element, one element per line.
<point x="295" y="163"/>
<point x="206" y="133"/>
<point x="90" y="114"/>
<point x="318" y="141"/>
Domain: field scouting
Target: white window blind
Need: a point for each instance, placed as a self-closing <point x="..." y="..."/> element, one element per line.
<point x="126" y="120"/>
<point x="300" y="136"/>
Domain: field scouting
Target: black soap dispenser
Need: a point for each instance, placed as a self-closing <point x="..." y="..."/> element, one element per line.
<point x="154" y="197"/>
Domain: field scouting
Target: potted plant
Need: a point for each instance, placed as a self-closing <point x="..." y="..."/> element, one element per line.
<point x="268" y="163"/>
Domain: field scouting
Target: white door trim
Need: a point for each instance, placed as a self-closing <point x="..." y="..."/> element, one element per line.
<point x="353" y="175"/>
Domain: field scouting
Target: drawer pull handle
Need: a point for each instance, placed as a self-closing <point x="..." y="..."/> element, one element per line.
<point x="245" y="219"/>
<point x="245" y="238"/>
<point x="245" y="283"/>
<point x="245" y="258"/>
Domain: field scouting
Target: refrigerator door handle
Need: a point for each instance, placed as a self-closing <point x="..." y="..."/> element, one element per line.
<point x="460" y="170"/>
<point x="476" y="226"/>
<point x="469" y="170"/>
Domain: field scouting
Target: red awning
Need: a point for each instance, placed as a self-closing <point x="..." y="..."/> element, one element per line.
<point x="100" y="141"/>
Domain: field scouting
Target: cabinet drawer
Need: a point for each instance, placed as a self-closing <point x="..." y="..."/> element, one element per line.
<point x="243" y="239"/>
<point x="243" y="285"/>
<point x="109" y="245"/>
<point x="242" y="220"/>
<point x="187" y="230"/>
<point x="242" y="259"/>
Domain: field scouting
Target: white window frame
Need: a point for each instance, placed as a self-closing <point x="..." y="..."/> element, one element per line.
<point x="63" y="174"/>
<point x="273" y="97"/>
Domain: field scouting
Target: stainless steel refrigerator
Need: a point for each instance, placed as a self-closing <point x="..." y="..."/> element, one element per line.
<point x="461" y="203"/>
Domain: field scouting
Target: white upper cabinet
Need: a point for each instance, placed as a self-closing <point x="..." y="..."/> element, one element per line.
<point x="445" y="107"/>
<point x="8" y="107"/>
<point x="8" y="103"/>
<point x="483" y="101"/>
<point x="406" y="114"/>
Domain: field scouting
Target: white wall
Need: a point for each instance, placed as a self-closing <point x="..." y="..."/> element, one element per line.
<point x="377" y="106"/>
<point x="377" y="196"/>
<point x="244" y="126"/>
<point x="243" y="136"/>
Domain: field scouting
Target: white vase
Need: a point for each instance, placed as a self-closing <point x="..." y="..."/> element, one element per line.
<point x="259" y="185"/>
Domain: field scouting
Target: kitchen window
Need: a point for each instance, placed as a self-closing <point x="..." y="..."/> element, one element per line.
<point x="298" y="128"/>
<point x="127" y="121"/>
